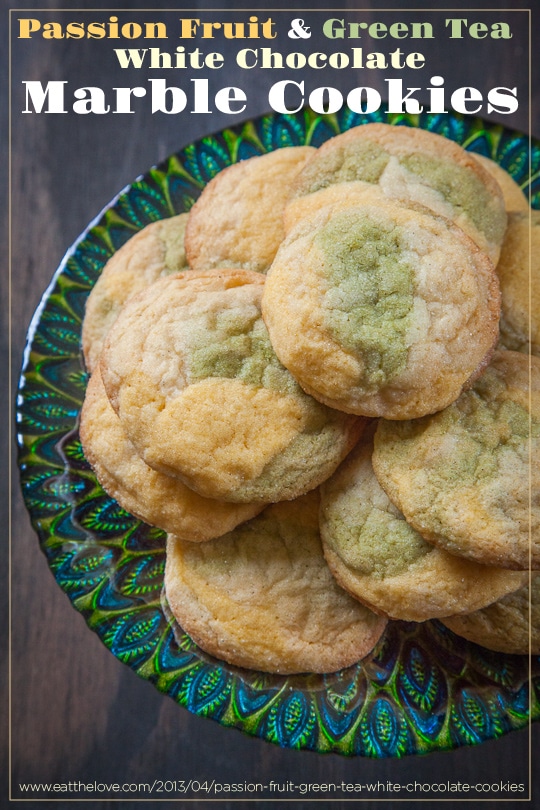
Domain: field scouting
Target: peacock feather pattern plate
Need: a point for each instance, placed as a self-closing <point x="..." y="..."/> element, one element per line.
<point x="422" y="689"/>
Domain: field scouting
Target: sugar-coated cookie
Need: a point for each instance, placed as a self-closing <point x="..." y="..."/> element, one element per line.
<point x="263" y="597"/>
<point x="468" y="478"/>
<point x="191" y="372"/>
<point x="158" y="499"/>
<point x="381" y="309"/>
<point x="382" y="561"/>
<point x="519" y="274"/>
<point x="238" y="219"/>
<point x="418" y="166"/>
<point x="505" y="626"/>
<point x="155" y="251"/>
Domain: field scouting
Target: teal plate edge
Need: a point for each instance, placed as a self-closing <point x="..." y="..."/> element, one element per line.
<point x="422" y="689"/>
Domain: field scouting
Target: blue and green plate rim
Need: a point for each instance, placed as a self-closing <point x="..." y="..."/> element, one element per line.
<point x="423" y="689"/>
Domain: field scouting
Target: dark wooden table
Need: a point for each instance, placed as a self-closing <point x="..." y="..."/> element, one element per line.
<point x="77" y="713"/>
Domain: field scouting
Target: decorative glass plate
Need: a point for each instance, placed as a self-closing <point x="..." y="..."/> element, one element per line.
<point x="423" y="689"/>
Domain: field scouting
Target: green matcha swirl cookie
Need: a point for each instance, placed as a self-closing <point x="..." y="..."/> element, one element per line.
<point x="416" y="166"/>
<point x="157" y="250"/>
<point x="519" y="275"/>
<point x="468" y="478"/>
<point x="158" y="499"/>
<point x="505" y="626"/>
<point x="381" y="309"/>
<point x="191" y="372"/>
<point x="263" y="597"/>
<point x="238" y="219"/>
<point x="382" y="561"/>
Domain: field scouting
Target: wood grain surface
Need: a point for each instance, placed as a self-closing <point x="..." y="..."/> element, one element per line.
<point x="75" y="712"/>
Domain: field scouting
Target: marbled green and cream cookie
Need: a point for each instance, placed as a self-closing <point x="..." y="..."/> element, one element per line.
<point x="468" y="478"/>
<point x="417" y="166"/>
<point x="238" y="219"/>
<point x="382" y="561"/>
<point x="191" y="372"/>
<point x="158" y="499"/>
<point x="157" y="250"/>
<point x="380" y="309"/>
<point x="519" y="275"/>
<point x="505" y="626"/>
<point x="514" y="198"/>
<point x="263" y="597"/>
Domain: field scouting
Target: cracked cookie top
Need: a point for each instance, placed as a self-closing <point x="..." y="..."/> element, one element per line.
<point x="380" y="309"/>
<point x="468" y="477"/>
<point x="238" y="219"/>
<point x="191" y="372"/>
<point x="263" y="597"/>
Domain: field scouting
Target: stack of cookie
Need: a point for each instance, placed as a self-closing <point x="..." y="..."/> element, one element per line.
<point x="297" y="382"/>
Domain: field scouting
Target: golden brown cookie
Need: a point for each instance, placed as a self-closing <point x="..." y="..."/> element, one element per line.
<point x="514" y="198"/>
<point x="468" y="478"/>
<point x="380" y="309"/>
<point x="191" y="372"/>
<point x="263" y="597"/>
<point x="155" y="251"/>
<point x="382" y="561"/>
<point x="505" y="626"/>
<point x="519" y="274"/>
<point x="237" y="220"/>
<point x="417" y="166"/>
<point x="158" y="499"/>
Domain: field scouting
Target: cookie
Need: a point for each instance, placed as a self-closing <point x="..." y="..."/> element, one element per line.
<point x="382" y="561"/>
<point x="237" y="220"/>
<point x="380" y="309"/>
<point x="519" y="275"/>
<point x="158" y="499"/>
<point x="190" y="370"/>
<point x="417" y="166"/>
<point x="262" y="596"/>
<point x="514" y="197"/>
<point x="468" y="478"/>
<point x="505" y="626"/>
<point x="155" y="251"/>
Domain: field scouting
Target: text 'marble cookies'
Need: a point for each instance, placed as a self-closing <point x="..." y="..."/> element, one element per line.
<point x="263" y="597"/>
<point x="191" y="372"/>
<point x="382" y="561"/>
<point x="381" y="309"/>
<point x="468" y="477"/>
<point x="154" y="497"/>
